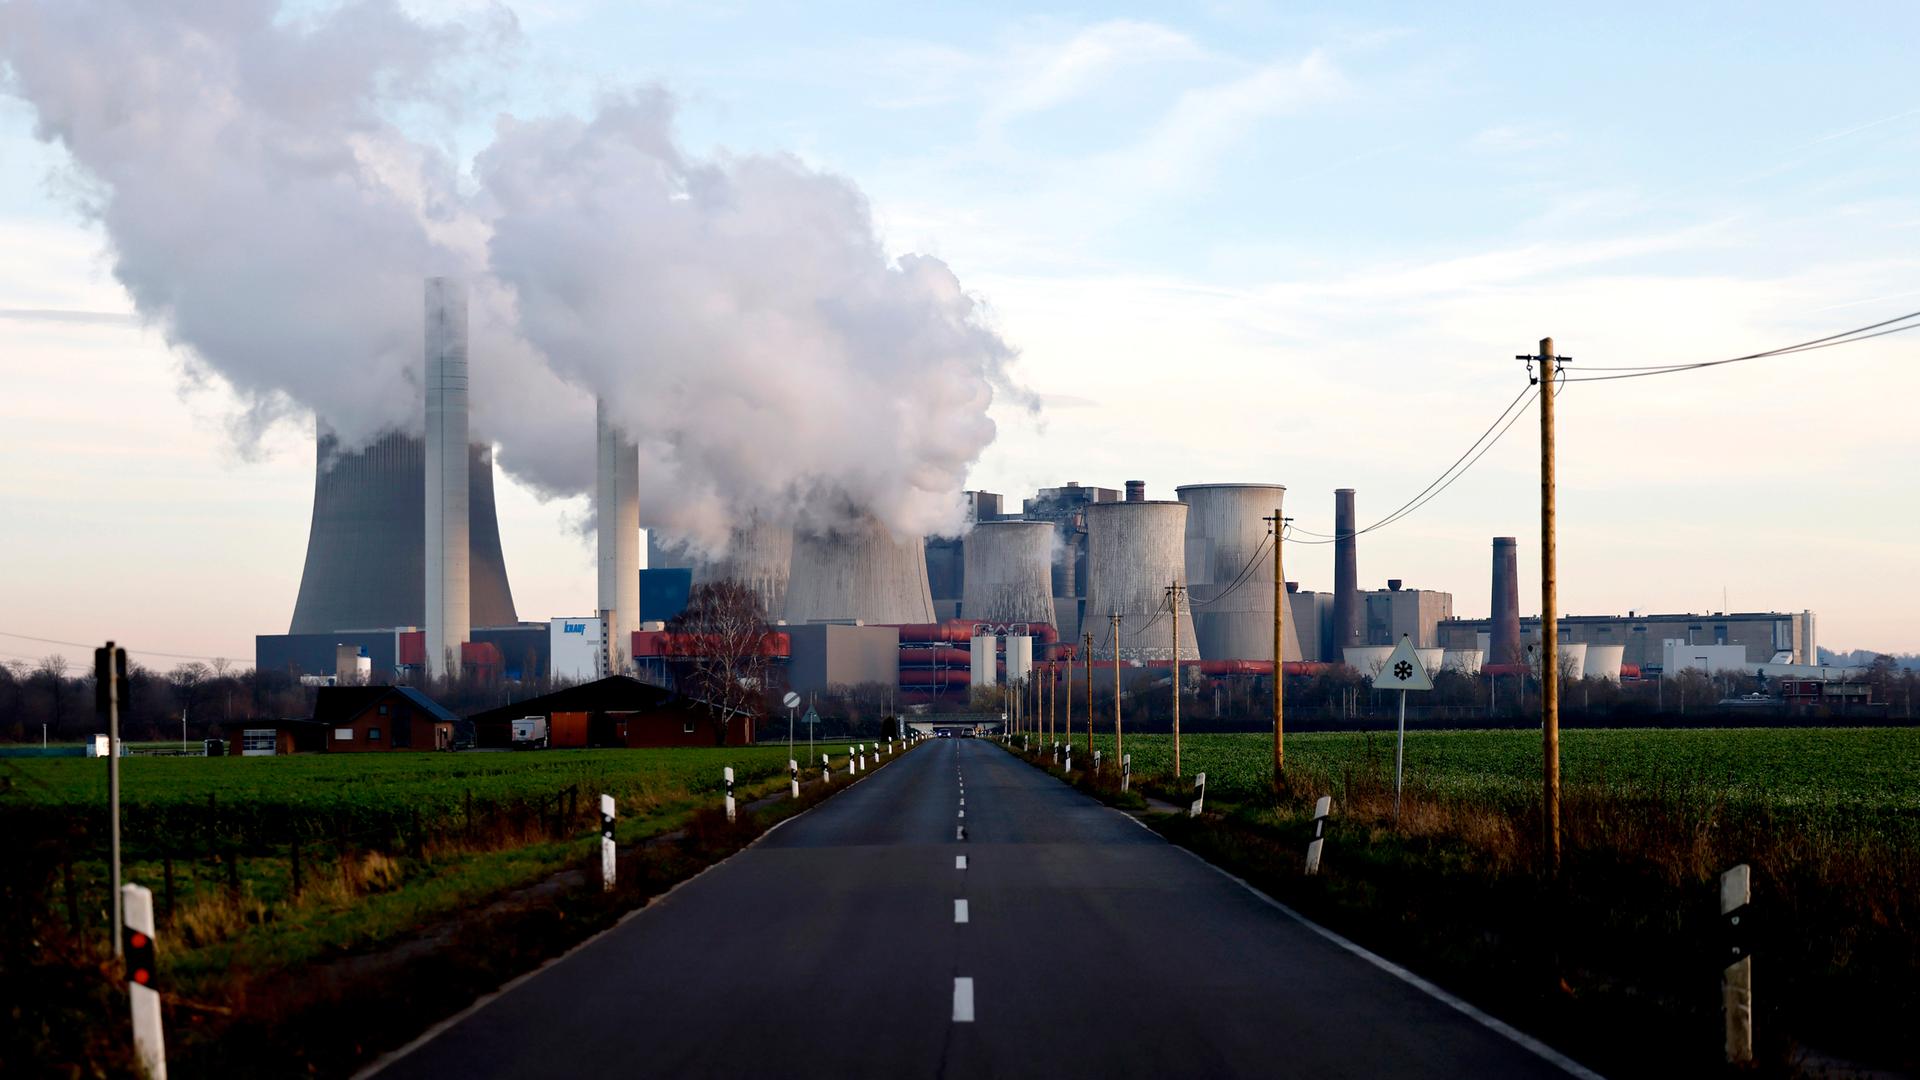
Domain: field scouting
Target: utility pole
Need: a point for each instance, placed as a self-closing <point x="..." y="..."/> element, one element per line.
<point x="1119" y="744"/>
<point x="1087" y="641"/>
<point x="1279" y="658"/>
<point x="1549" y="623"/>
<point x="1066" y="727"/>
<point x="1173" y="605"/>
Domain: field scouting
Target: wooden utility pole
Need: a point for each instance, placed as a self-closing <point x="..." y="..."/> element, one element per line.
<point x="1119" y="744"/>
<point x="1549" y="624"/>
<point x="1066" y="727"/>
<point x="1279" y="657"/>
<point x="1173" y="605"/>
<point x="1087" y="641"/>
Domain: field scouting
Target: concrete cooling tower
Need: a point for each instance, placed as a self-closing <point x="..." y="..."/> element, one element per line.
<point x="759" y="557"/>
<point x="1134" y="551"/>
<point x="366" y="549"/>
<point x="1226" y="543"/>
<point x="860" y="571"/>
<point x="1009" y="573"/>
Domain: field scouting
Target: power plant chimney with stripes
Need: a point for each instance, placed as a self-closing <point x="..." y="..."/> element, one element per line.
<point x="449" y="623"/>
<point x="1230" y="570"/>
<point x="859" y="572"/>
<point x="617" y="510"/>
<point x="1349" y="630"/>
<point x="1135" y="549"/>
<point x="1009" y="573"/>
<point x="1503" y="638"/>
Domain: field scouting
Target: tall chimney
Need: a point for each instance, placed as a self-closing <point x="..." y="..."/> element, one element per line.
<point x="1347" y="631"/>
<point x="448" y="612"/>
<point x="1136" y="491"/>
<point x="1503" y="636"/>
<point x="617" y="510"/>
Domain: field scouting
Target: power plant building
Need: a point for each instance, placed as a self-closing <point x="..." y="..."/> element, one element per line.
<point x="1767" y="636"/>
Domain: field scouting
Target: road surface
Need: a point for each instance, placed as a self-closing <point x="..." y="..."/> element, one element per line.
<point x="1059" y="938"/>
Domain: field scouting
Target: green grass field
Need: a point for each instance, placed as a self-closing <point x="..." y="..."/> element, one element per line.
<point x="1869" y="769"/>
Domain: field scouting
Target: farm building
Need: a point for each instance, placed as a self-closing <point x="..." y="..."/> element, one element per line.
<point x="615" y="711"/>
<point x="364" y="718"/>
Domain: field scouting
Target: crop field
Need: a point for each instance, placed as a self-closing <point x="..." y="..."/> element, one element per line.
<point x="1868" y="769"/>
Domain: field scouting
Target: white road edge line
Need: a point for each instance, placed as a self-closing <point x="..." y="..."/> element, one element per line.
<point x="962" y="1000"/>
<point x="1491" y="1023"/>
<point x="959" y="911"/>
<point x="959" y="862"/>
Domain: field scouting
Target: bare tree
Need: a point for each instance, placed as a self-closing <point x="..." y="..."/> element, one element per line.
<point x="721" y="652"/>
<point x="187" y="681"/>
<point x="52" y="673"/>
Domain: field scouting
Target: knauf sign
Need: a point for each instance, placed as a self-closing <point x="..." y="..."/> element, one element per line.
<point x="575" y="649"/>
<point x="574" y="628"/>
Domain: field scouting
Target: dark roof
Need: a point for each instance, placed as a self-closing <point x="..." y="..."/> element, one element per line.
<point x="615" y="693"/>
<point x="340" y="704"/>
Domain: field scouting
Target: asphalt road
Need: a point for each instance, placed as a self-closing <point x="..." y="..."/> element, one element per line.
<point x="1089" y="947"/>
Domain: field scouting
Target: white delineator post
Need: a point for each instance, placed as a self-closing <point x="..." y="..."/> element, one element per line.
<point x="1736" y="981"/>
<point x="1067" y="762"/>
<point x="1199" y="796"/>
<point x="1320" y="808"/>
<point x="1126" y="771"/>
<point x="149" y="1040"/>
<point x="727" y="774"/>
<point x="606" y="843"/>
<point x="1096" y="762"/>
<point x="793" y="776"/>
<point x="826" y="769"/>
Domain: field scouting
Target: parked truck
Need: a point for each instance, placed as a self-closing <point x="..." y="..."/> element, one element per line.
<point x="530" y="733"/>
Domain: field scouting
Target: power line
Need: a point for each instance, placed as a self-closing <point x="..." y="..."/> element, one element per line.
<point x="131" y="649"/>
<point x="1845" y="337"/>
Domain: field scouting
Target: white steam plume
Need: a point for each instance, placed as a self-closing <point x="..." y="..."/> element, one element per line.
<point x="742" y="318"/>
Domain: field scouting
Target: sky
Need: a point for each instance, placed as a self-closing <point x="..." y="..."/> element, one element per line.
<point x="1298" y="244"/>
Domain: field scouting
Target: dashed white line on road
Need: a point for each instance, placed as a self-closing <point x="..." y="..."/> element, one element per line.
<point x="959" y="911"/>
<point x="960" y="832"/>
<point x="963" y="813"/>
<point x="959" y="862"/>
<point x="962" y="1000"/>
<point x="963" y="800"/>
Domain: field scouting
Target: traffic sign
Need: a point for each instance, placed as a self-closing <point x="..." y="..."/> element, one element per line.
<point x="1403" y="670"/>
<point x="791" y="701"/>
<point x="811" y="717"/>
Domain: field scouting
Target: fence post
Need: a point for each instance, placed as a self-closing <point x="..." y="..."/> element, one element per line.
<point x="727" y="773"/>
<point x="607" y="849"/>
<point x="1126" y="771"/>
<point x="1320" y="808"/>
<point x="1736" y="981"/>
<point x="1199" y="796"/>
<point x="136" y="935"/>
<point x="793" y="776"/>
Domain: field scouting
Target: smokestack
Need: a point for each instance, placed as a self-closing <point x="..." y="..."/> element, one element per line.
<point x="617" y="507"/>
<point x="1347" y="632"/>
<point x="1136" y="491"/>
<point x="448" y="612"/>
<point x="1503" y="641"/>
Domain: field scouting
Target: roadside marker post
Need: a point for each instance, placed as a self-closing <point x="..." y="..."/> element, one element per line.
<point x="1068" y="759"/>
<point x="727" y="773"/>
<point x="1096" y="763"/>
<point x="1199" y="795"/>
<point x="1126" y="771"/>
<point x="1320" y="808"/>
<point x="863" y="758"/>
<point x="826" y="769"/>
<point x="606" y="843"/>
<point x="136" y="940"/>
<point x="793" y="776"/>
<point x="1736" y="980"/>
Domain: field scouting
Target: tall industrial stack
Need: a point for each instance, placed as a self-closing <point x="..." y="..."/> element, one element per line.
<point x="759" y="557"/>
<point x="859" y="572"/>
<point x="1230" y="570"/>
<point x="1503" y="640"/>
<point x="448" y="614"/>
<point x="617" y="508"/>
<point x="1008" y="576"/>
<point x="1348" y="629"/>
<point x="1135" y="549"/>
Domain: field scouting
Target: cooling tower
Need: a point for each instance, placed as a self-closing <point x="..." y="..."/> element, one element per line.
<point x="1603" y="662"/>
<point x="617" y="510"/>
<point x="1503" y="639"/>
<point x="1367" y="659"/>
<point x="1349" y="630"/>
<point x="1009" y="573"/>
<point x="758" y="557"/>
<point x="366" y="549"/>
<point x="1464" y="661"/>
<point x="1230" y="570"/>
<point x="1134" y="551"/>
<point x="860" y="572"/>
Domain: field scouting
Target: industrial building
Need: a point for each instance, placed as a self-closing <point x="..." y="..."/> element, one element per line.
<point x="1761" y="637"/>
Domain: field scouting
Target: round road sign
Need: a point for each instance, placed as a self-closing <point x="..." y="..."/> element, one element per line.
<point x="792" y="700"/>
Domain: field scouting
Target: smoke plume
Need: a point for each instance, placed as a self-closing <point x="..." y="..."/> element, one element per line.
<point x="267" y="212"/>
